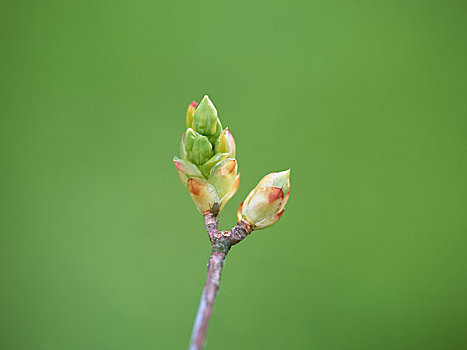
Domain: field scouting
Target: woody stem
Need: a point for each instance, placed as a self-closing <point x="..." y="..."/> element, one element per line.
<point x="221" y="241"/>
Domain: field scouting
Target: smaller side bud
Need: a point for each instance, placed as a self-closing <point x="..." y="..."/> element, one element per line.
<point x="190" y="113"/>
<point x="265" y="204"/>
<point x="205" y="117"/>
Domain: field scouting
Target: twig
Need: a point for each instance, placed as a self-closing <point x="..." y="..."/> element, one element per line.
<point x="221" y="241"/>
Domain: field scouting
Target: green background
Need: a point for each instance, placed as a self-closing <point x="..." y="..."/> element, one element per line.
<point x="101" y="246"/>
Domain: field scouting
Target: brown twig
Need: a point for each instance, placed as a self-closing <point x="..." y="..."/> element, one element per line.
<point x="221" y="241"/>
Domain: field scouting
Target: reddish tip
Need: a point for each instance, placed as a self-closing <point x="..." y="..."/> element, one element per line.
<point x="177" y="164"/>
<point x="275" y="194"/>
<point x="280" y="214"/>
<point x="193" y="104"/>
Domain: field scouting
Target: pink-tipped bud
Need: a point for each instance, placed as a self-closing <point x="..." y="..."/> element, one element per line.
<point x="190" y="113"/>
<point x="265" y="204"/>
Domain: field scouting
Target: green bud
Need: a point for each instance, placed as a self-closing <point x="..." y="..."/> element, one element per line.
<point x="189" y="139"/>
<point x="207" y="165"/>
<point x="205" y="118"/>
<point x="202" y="150"/>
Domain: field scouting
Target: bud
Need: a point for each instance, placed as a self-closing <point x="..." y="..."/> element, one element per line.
<point x="205" y="117"/>
<point x="189" y="139"/>
<point x="201" y="151"/>
<point x="195" y="148"/>
<point x="190" y="114"/>
<point x="226" y="142"/>
<point x="265" y="204"/>
<point x="209" y="174"/>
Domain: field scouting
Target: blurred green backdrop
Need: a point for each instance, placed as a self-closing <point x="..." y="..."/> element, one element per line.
<point x="101" y="246"/>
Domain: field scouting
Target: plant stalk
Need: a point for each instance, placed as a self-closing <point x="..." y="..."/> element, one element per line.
<point x="221" y="241"/>
<point x="216" y="262"/>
